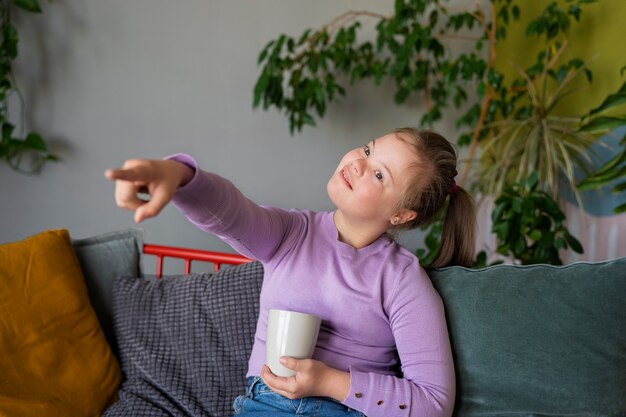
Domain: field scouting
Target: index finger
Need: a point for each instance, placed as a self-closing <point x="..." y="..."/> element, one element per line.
<point x="124" y="174"/>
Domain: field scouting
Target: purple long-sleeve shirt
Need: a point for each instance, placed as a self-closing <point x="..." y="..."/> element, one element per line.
<point x="379" y="310"/>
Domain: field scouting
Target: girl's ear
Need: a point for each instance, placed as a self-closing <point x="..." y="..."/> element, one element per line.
<point x="403" y="216"/>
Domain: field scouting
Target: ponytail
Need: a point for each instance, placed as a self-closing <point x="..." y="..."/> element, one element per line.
<point x="458" y="233"/>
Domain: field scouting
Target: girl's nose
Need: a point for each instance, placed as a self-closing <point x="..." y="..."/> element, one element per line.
<point x="358" y="165"/>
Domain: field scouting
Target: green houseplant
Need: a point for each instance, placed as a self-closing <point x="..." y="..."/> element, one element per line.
<point x="528" y="224"/>
<point x="300" y="76"/>
<point x="15" y="143"/>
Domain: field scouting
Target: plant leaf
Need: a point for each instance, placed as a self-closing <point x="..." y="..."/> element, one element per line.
<point x="36" y="142"/>
<point x="574" y="243"/>
<point x="535" y="235"/>
<point x="7" y="131"/>
<point x="532" y="180"/>
<point x="603" y="124"/>
<point x="307" y="119"/>
<point x="11" y="38"/>
<point x="260" y="88"/>
<point x="30" y="5"/>
<point x="519" y="246"/>
<point x="602" y="180"/>
<point x="499" y="210"/>
<point x="620" y="209"/>
<point x="611" y="101"/>
<point x="615" y="161"/>
<point x="559" y="243"/>
<point x="619" y="188"/>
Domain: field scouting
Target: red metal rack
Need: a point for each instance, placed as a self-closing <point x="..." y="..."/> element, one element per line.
<point x="190" y="255"/>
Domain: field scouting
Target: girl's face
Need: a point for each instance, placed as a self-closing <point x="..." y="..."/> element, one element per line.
<point x="370" y="181"/>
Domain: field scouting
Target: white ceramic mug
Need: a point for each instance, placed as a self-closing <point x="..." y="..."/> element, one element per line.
<point x="289" y="333"/>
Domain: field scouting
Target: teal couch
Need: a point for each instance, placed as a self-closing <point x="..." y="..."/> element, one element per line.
<point x="528" y="340"/>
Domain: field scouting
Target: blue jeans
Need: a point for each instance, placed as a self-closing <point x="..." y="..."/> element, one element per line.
<point x="260" y="401"/>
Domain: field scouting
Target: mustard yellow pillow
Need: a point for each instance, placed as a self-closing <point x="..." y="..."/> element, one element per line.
<point x="54" y="358"/>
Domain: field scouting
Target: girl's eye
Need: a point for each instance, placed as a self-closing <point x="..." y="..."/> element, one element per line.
<point x="366" y="150"/>
<point x="379" y="175"/>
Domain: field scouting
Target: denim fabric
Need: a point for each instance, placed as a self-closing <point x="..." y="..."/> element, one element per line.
<point x="260" y="401"/>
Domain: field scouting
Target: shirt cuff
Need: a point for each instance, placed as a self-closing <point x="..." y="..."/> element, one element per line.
<point x="375" y="397"/>
<point x="183" y="158"/>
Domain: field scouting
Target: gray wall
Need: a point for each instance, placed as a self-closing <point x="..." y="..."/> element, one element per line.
<point x="109" y="80"/>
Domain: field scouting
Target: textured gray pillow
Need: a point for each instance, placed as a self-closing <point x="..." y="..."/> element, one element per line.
<point x="538" y="340"/>
<point x="102" y="258"/>
<point x="185" y="341"/>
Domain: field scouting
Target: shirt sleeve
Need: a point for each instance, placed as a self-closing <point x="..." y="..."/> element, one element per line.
<point x="427" y="389"/>
<point x="215" y="205"/>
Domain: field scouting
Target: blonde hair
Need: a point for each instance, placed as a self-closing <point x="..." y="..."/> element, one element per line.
<point x="432" y="189"/>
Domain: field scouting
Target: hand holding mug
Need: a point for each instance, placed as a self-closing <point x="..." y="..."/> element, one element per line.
<point x="311" y="379"/>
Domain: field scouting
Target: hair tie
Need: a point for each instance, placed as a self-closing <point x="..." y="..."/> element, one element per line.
<point x="453" y="187"/>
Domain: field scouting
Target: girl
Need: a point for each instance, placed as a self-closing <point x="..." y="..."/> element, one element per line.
<point x="383" y="348"/>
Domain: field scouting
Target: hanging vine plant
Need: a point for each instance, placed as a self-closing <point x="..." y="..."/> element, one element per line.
<point x="15" y="143"/>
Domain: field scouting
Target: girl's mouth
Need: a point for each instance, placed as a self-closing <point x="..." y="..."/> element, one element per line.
<point x="345" y="178"/>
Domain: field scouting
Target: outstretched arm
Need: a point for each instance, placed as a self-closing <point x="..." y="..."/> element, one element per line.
<point x="216" y="206"/>
<point x="209" y="201"/>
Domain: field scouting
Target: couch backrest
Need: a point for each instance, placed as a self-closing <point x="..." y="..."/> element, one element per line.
<point x="527" y="340"/>
<point x="538" y="340"/>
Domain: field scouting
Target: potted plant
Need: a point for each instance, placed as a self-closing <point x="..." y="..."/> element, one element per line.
<point x="299" y="76"/>
<point x="529" y="225"/>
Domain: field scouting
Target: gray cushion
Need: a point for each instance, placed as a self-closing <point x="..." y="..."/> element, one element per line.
<point x="538" y="340"/>
<point x="185" y="341"/>
<point x="103" y="258"/>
